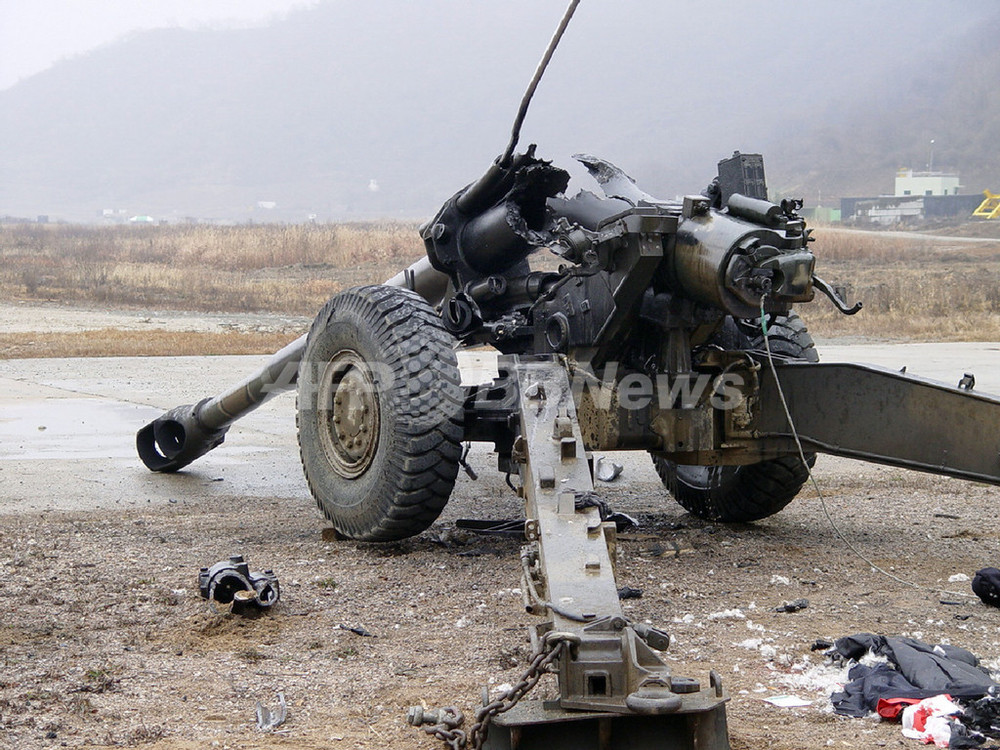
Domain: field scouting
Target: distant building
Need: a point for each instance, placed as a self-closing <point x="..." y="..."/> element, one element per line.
<point x="909" y="182"/>
<point x="919" y="197"/>
<point x="114" y="214"/>
<point x="820" y="214"/>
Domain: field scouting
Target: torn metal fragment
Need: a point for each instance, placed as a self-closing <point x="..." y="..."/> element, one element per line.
<point x="230" y="582"/>
<point x="268" y="720"/>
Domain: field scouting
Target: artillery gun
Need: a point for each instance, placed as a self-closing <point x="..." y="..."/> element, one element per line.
<point x="668" y="327"/>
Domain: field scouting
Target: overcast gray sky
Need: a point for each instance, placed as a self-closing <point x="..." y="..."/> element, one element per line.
<point x="34" y="34"/>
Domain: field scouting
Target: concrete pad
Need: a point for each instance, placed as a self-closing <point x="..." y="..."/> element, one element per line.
<point x="67" y="426"/>
<point x="944" y="362"/>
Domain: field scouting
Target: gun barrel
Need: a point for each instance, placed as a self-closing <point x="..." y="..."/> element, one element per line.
<point x="185" y="433"/>
<point x="277" y="376"/>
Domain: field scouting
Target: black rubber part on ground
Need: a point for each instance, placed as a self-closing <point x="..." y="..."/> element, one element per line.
<point x="420" y="400"/>
<point x="740" y="494"/>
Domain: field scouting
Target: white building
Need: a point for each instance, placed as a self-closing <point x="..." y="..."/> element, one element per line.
<point x="909" y="182"/>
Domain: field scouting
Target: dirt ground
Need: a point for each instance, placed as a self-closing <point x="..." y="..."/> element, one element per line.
<point x="105" y="641"/>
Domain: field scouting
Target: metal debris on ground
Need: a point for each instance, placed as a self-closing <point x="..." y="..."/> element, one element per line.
<point x="358" y="630"/>
<point x="986" y="585"/>
<point x="513" y="527"/>
<point x="451" y="537"/>
<point x="267" y="720"/>
<point x="668" y="547"/>
<point x="230" y="582"/>
<point x="607" y="470"/>
<point x="627" y="592"/>
<point x="622" y="521"/>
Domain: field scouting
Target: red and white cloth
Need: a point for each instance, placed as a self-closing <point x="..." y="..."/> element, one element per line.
<point x="931" y="720"/>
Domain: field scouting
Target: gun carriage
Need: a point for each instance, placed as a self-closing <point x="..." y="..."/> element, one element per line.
<point x="668" y="327"/>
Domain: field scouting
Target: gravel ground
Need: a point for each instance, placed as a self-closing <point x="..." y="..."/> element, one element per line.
<point x="106" y="642"/>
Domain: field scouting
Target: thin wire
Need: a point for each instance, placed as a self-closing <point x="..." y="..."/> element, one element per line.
<point x="515" y="133"/>
<point x="815" y="484"/>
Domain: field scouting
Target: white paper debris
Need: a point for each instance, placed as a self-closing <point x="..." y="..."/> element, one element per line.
<point x="787" y="701"/>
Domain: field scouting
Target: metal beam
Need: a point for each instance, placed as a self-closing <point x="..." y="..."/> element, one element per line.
<point x="883" y="416"/>
<point x="614" y="689"/>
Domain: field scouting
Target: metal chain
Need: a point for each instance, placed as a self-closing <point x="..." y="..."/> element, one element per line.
<point x="450" y="719"/>
<point x="447" y="729"/>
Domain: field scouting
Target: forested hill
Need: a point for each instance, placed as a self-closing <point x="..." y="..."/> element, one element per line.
<point x="384" y="109"/>
<point x="855" y="147"/>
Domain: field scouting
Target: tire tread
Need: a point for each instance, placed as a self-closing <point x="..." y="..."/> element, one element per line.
<point x="419" y="473"/>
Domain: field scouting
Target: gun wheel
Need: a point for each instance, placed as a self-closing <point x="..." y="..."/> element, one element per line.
<point x="379" y="413"/>
<point x="741" y="494"/>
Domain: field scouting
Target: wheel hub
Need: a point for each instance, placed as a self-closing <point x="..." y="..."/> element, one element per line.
<point x="348" y="413"/>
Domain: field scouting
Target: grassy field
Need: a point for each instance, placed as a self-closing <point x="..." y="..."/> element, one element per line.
<point x="285" y="268"/>
<point x="912" y="287"/>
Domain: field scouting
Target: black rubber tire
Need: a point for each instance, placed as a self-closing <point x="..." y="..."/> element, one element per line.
<point x="398" y="482"/>
<point x="741" y="494"/>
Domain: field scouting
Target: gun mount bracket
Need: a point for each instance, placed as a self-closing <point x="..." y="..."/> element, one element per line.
<point x="612" y="684"/>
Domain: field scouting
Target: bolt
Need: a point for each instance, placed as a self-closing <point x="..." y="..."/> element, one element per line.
<point x="535" y="392"/>
<point x="441" y="233"/>
<point x="418" y="715"/>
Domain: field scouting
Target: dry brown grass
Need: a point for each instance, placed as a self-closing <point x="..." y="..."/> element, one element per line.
<point x="912" y="287"/>
<point x="290" y="269"/>
<point x="111" y="342"/>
